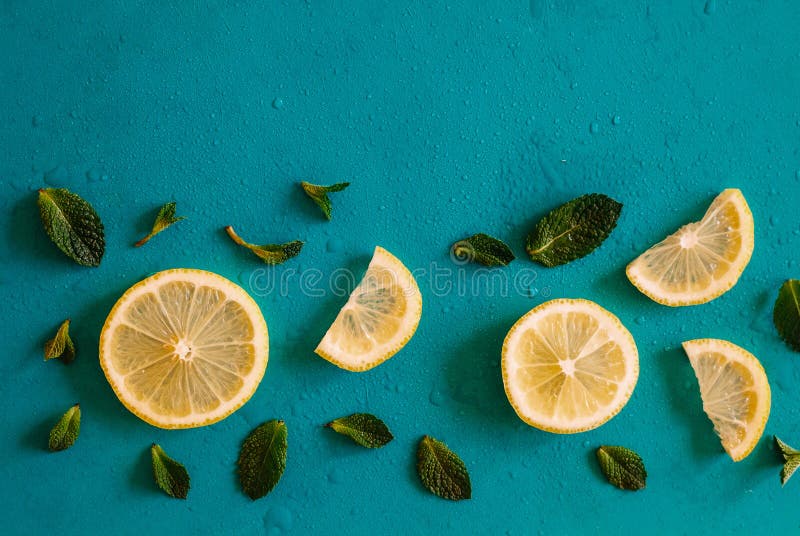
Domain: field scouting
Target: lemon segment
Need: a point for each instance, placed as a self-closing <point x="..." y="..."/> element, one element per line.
<point x="735" y="392"/>
<point x="569" y="366"/>
<point x="379" y="318"/>
<point x="701" y="260"/>
<point x="184" y="348"/>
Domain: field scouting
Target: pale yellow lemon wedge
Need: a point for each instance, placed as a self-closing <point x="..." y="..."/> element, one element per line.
<point x="184" y="348"/>
<point x="735" y="392"/>
<point x="701" y="260"/>
<point x="569" y="366"/>
<point x="379" y="318"/>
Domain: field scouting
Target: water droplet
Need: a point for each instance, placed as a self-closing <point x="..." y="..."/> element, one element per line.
<point x="640" y="320"/>
<point x="278" y="517"/>
<point x="93" y="175"/>
<point x="617" y="120"/>
<point x="277" y="103"/>
<point x="58" y="176"/>
<point x="594" y="128"/>
<point x="336" y="476"/>
<point x="436" y="397"/>
<point x="37" y="120"/>
<point x="335" y="245"/>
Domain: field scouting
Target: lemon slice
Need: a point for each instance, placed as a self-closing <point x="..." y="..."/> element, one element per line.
<point x="184" y="348"/>
<point x="569" y="366"/>
<point x="735" y="392"/>
<point x="379" y="318"/>
<point x="701" y="260"/>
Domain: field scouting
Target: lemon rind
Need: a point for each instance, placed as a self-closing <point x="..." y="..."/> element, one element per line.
<point x="261" y="340"/>
<point x="383" y="258"/>
<point x="733" y="276"/>
<point x="609" y="320"/>
<point x="740" y="355"/>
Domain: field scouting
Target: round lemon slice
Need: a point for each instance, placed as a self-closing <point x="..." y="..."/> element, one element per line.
<point x="379" y="318"/>
<point x="569" y="366"/>
<point x="701" y="260"/>
<point x="184" y="348"/>
<point x="735" y="392"/>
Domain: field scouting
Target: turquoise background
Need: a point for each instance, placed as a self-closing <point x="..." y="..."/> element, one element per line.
<point x="449" y="118"/>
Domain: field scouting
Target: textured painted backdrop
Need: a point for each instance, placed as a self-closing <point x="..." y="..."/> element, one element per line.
<point x="448" y="118"/>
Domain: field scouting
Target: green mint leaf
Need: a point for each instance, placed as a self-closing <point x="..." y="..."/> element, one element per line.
<point x="164" y="218"/>
<point x="72" y="225"/>
<point x="442" y="471"/>
<point x="66" y="430"/>
<point x="786" y="313"/>
<point x="262" y="459"/>
<point x="61" y="346"/>
<point x="365" y="429"/>
<point x="623" y="467"/>
<point x="791" y="458"/>
<point x="573" y="230"/>
<point x="169" y="475"/>
<point x="320" y="194"/>
<point x="269" y="253"/>
<point x="483" y="249"/>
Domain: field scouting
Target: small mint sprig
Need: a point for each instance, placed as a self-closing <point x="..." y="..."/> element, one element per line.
<point x="164" y="218"/>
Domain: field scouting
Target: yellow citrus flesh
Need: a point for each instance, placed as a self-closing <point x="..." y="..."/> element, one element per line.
<point x="184" y="348"/>
<point x="702" y="260"/>
<point x="735" y="392"/>
<point x="379" y="318"/>
<point x="569" y="366"/>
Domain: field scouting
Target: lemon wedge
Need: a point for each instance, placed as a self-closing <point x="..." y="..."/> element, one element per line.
<point x="379" y="318"/>
<point x="701" y="260"/>
<point x="735" y="392"/>
<point x="184" y="348"/>
<point x="569" y="366"/>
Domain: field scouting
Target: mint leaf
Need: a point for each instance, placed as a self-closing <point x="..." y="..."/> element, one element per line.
<point x="791" y="458"/>
<point x="170" y="476"/>
<point x="66" y="430"/>
<point x="786" y="313"/>
<point x="573" y="230"/>
<point x="61" y="346"/>
<point x="365" y="429"/>
<point x="483" y="249"/>
<point x="320" y="194"/>
<point x="262" y="459"/>
<point x="72" y="225"/>
<point x="623" y="467"/>
<point x="164" y="218"/>
<point x="442" y="471"/>
<point x="270" y="253"/>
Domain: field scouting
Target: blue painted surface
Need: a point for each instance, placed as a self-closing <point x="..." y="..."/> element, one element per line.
<point x="448" y="118"/>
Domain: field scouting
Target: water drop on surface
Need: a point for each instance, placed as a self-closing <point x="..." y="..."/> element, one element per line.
<point x="617" y="120"/>
<point x="277" y="103"/>
<point x="594" y="128"/>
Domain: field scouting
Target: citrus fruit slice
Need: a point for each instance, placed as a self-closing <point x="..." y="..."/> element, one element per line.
<point x="735" y="392"/>
<point x="379" y="318"/>
<point x="184" y="348"/>
<point x="569" y="366"/>
<point x="701" y="260"/>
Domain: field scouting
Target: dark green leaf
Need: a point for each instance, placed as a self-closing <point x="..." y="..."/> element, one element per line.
<point x="483" y="249"/>
<point x="164" y="218"/>
<point x="442" y="471"/>
<point x="262" y="459"/>
<point x="320" y="194"/>
<point x="66" y="430"/>
<point x="365" y="429"/>
<point x="270" y="253"/>
<point x="169" y="475"/>
<point x="72" y="225"/>
<point x="622" y="467"/>
<point x="786" y="313"/>
<point x="791" y="459"/>
<point x="61" y="346"/>
<point x="573" y="230"/>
